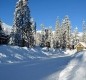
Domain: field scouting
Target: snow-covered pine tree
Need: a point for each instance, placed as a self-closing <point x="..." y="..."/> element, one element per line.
<point x="38" y="38"/>
<point x="76" y="37"/>
<point x="22" y="31"/>
<point x="47" y="41"/>
<point x="57" y="33"/>
<point x="66" y="31"/>
<point x="63" y="35"/>
<point x="50" y="35"/>
<point x="84" y="31"/>
<point x="42" y="36"/>
<point x="33" y="26"/>
<point x="12" y="38"/>
<point x="4" y="39"/>
<point x="46" y="34"/>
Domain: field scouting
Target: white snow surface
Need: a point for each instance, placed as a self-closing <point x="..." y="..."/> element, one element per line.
<point x="6" y="28"/>
<point x="21" y="63"/>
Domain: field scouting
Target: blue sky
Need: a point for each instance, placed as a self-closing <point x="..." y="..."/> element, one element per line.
<point x="46" y="11"/>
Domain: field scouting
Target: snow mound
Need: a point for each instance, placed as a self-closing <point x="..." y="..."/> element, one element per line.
<point x="13" y="54"/>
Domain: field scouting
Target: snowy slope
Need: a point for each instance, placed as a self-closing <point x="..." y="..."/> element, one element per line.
<point x="80" y="34"/>
<point x="30" y="64"/>
<point x="38" y="64"/>
<point x="6" y="28"/>
<point x="76" y="69"/>
<point x="13" y="54"/>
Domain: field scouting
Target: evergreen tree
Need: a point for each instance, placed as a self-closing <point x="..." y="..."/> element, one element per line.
<point x="57" y="33"/>
<point x="42" y="36"/>
<point x="76" y="37"/>
<point x="4" y="39"/>
<point x="84" y="31"/>
<point x="22" y="31"/>
<point x="46" y="34"/>
<point x="50" y="37"/>
<point x="33" y="26"/>
<point x="63" y="35"/>
<point x="66" y="31"/>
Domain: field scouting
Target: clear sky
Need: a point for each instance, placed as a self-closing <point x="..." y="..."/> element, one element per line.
<point x="46" y="11"/>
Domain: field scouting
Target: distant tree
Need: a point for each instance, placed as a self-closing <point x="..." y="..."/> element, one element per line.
<point x="42" y="44"/>
<point x="57" y="45"/>
<point x="33" y="26"/>
<point x="57" y="33"/>
<point x="76" y="37"/>
<point x="47" y="45"/>
<point x="4" y="38"/>
<point x="51" y="37"/>
<point x="84" y="31"/>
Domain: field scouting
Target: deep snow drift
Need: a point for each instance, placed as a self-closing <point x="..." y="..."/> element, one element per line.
<point x="38" y="64"/>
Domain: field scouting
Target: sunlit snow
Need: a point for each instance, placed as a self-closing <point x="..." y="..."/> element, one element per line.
<point x="21" y="63"/>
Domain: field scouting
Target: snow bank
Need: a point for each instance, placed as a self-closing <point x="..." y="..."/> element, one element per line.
<point x="75" y="70"/>
<point x="13" y="54"/>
